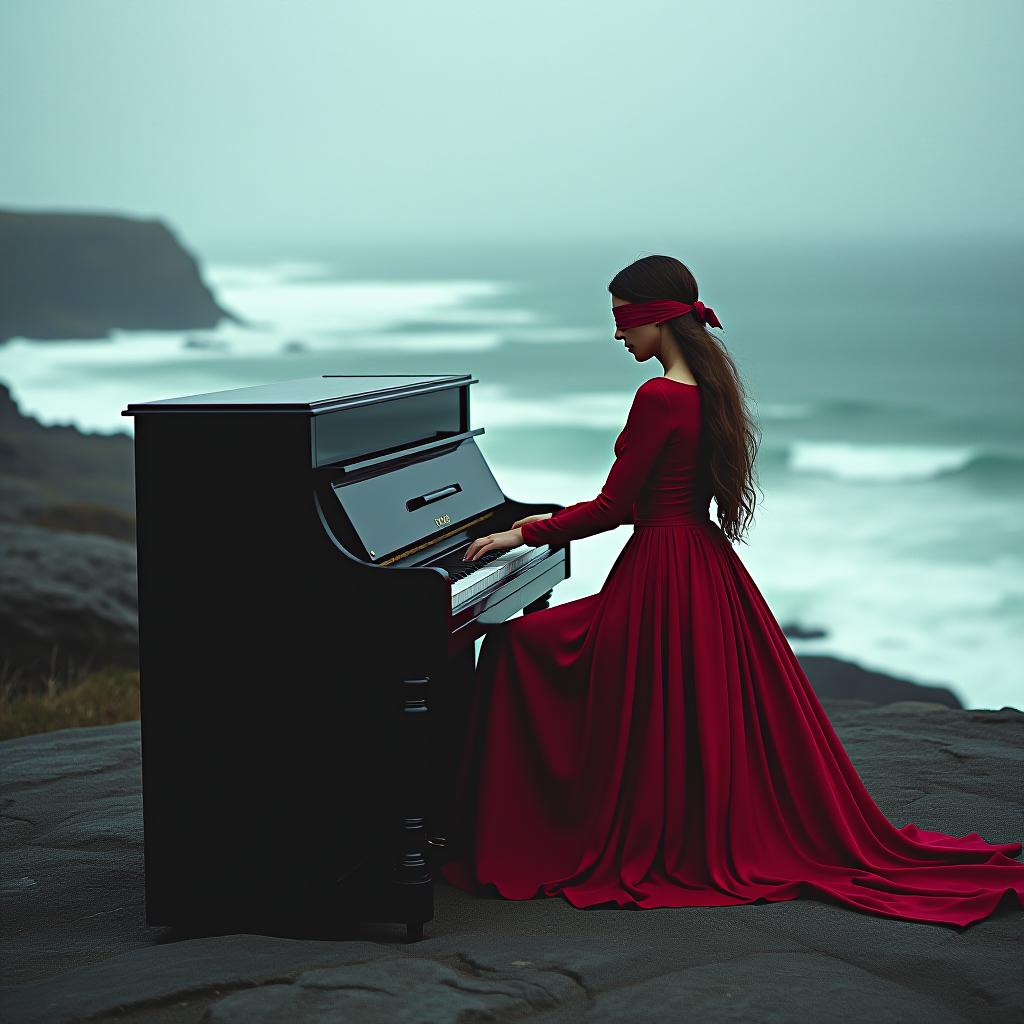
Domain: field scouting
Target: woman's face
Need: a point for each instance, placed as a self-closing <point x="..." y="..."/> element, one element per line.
<point x="643" y="341"/>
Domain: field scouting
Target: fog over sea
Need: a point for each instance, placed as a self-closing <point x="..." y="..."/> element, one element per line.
<point x="885" y="375"/>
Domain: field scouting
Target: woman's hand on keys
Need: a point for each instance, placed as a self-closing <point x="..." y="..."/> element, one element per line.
<point x="503" y="541"/>
<point x="531" y="519"/>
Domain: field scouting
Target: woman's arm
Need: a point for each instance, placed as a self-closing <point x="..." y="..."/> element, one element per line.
<point x="639" y="445"/>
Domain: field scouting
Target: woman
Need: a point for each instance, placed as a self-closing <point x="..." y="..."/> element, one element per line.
<point x="657" y="744"/>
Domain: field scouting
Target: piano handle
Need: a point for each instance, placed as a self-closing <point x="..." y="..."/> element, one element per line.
<point x="432" y="496"/>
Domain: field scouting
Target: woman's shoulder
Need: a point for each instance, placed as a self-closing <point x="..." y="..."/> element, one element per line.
<point x="650" y="386"/>
<point x="659" y="388"/>
<point x="650" y="398"/>
<point x="653" y="390"/>
<point x="657" y="400"/>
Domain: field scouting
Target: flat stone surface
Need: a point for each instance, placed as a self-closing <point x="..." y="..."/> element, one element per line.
<point x="75" y="945"/>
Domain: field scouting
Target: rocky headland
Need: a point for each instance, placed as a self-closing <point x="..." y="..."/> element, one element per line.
<point x="81" y="275"/>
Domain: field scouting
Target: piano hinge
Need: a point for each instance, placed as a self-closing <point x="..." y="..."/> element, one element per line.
<point x="430" y="543"/>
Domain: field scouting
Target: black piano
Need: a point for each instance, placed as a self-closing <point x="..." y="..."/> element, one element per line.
<point x="307" y="627"/>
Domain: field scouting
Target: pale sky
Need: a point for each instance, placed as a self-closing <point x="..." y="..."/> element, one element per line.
<point x="306" y="120"/>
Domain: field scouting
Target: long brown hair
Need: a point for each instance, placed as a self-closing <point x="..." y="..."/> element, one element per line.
<point x="729" y="436"/>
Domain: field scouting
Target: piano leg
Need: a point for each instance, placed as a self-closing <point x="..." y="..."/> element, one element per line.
<point x="413" y="881"/>
<point x="541" y="602"/>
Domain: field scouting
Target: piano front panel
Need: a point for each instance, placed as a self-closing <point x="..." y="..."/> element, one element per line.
<point x="393" y="510"/>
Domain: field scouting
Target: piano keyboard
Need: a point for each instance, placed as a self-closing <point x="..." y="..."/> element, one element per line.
<point x="483" y="573"/>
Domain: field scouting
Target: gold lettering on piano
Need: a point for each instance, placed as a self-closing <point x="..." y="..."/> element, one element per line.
<point x="442" y="520"/>
<point x="398" y="556"/>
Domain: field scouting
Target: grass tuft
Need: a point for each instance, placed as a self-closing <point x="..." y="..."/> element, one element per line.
<point x="100" y="698"/>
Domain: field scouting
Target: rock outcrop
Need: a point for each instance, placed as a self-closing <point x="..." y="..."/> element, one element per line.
<point x="80" y="275"/>
<point x="44" y="467"/>
<point x="68" y="589"/>
<point x="833" y="678"/>
<point x="68" y="603"/>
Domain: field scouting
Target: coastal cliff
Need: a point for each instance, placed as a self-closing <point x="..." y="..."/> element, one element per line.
<point x="81" y="275"/>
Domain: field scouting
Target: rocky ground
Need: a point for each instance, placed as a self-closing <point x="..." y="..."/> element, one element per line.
<point x="75" y="945"/>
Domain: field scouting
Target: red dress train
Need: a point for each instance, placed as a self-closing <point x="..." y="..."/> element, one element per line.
<point x="657" y="744"/>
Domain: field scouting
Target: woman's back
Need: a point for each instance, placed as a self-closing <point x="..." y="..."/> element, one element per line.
<point x="678" y="489"/>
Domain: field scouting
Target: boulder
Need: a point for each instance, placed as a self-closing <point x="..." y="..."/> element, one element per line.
<point x="68" y="602"/>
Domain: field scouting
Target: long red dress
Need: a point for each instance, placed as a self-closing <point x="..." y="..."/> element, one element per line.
<point x="657" y="744"/>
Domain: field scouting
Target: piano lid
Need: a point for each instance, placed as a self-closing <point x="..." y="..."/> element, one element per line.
<point x="312" y="395"/>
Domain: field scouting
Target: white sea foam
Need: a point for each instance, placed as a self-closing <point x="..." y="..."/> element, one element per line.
<point x="602" y="410"/>
<point x="783" y="410"/>
<point x="246" y="275"/>
<point x="888" y="462"/>
<point x="277" y="299"/>
<point x="891" y="589"/>
<point x="545" y="335"/>
<point x="387" y="342"/>
<point x="88" y="382"/>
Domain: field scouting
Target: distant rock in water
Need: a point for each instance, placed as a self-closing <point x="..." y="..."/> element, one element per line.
<point x="80" y="275"/>
<point x="206" y="344"/>
<point x="836" y="679"/>
<point x="796" y="631"/>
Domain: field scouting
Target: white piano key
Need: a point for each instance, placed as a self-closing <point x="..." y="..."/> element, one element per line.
<point x="486" y="577"/>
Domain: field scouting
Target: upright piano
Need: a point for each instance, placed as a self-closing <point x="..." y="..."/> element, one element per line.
<point x="307" y="627"/>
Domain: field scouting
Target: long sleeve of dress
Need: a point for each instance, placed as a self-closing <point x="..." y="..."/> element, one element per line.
<point x="636" y="449"/>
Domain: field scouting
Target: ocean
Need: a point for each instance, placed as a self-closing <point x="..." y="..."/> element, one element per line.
<point x="885" y="376"/>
